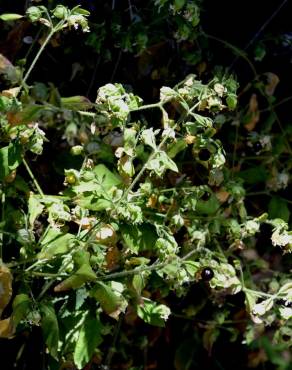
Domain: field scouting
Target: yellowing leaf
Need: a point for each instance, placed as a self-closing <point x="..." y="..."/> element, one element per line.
<point x="5" y="287"/>
<point x="253" y="113"/>
<point x="6" y="328"/>
<point x="272" y="82"/>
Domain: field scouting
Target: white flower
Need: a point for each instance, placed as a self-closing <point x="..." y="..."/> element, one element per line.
<point x="281" y="239"/>
<point x="266" y="142"/>
<point x="286" y="313"/>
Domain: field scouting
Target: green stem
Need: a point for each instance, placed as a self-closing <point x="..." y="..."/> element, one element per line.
<point x="33" y="178"/>
<point x="45" y="274"/>
<point x="2" y="220"/>
<point x="143" y="107"/>
<point x="138" y="270"/>
<point x="51" y="33"/>
<point x="260" y="294"/>
<point x="148" y="106"/>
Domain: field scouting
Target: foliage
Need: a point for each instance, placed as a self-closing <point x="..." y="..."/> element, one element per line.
<point x="147" y="206"/>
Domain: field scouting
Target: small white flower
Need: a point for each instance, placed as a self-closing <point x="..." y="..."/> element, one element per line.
<point x="266" y="142"/>
<point x="281" y="239"/>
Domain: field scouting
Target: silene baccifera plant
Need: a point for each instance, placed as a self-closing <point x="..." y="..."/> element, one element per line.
<point x="152" y="209"/>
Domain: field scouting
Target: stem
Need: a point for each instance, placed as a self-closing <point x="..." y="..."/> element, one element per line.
<point x="38" y="55"/>
<point x="234" y="151"/>
<point x="45" y="274"/>
<point x="148" y="106"/>
<point x="260" y="294"/>
<point x="33" y="178"/>
<point x="138" y="270"/>
<point x="112" y="349"/>
<point x="2" y="220"/>
<point x="143" y="107"/>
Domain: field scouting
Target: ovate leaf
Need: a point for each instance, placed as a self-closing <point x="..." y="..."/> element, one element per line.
<point x="35" y="208"/>
<point x="21" y="306"/>
<point x="89" y="338"/>
<point x="138" y="238"/>
<point x="278" y="208"/>
<point x="76" y="103"/>
<point x="148" y="138"/>
<point x="50" y="328"/>
<point x="83" y="275"/>
<point x="153" y="313"/>
<point x="110" y="298"/>
<point x="106" y="177"/>
<point x="55" y="242"/>
<point x="10" y="159"/>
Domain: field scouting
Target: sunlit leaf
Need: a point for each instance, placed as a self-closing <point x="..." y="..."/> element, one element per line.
<point x="50" y="328"/>
<point x="89" y="338"/>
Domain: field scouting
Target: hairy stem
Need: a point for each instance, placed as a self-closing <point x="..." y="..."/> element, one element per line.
<point x="48" y="38"/>
<point x="33" y="178"/>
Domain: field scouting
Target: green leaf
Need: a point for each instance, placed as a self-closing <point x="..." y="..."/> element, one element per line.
<point x="160" y="163"/>
<point x="138" y="283"/>
<point x="76" y="103"/>
<point x="35" y="208"/>
<point x="138" y="237"/>
<point x="254" y="175"/>
<point x="106" y="177"/>
<point x="78" y="10"/>
<point x="153" y="313"/>
<point x="93" y="203"/>
<point x="286" y="290"/>
<point x="50" y="328"/>
<point x="55" y="242"/>
<point x="30" y="113"/>
<point x="278" y="208"/>
<point x="89" y="338"/>
<point x="21" y="306"/>
<point x="10" y="159"/>
<point x="83" y="275"/>
<point x="167" y="162"/>
<point x="191" y="267"/>
<point x="10" y="17"/>
<point x="250" y="300"/>
<point x="149" y="138"/>
<point x="176" y="147"/>
<point x="203" y="121"/>
<point x="208" y="207"/>
<point x="4" y="168"/>
<point x="109" y="298"/>
<point x="231" y="101"/>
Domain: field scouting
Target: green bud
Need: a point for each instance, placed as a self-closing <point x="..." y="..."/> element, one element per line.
<point x="231" y="101"/>
<point x="76" y="150"/>
<point x="34" y="13"/>
<point x="60" y="12"/>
